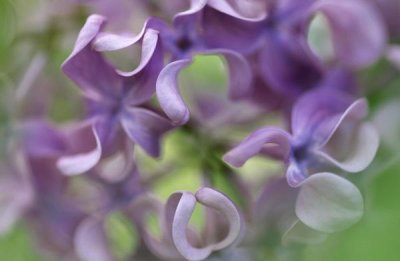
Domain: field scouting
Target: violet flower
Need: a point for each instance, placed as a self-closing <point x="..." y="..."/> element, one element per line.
<point x="117" y="99"/>
<point x="327" y="130"/>
<point x="183" y="41"/>
<point x="178" y="240"/>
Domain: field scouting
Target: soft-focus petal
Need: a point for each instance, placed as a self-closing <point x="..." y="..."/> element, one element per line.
<point x="81" y="161"/>
<point x="90" y="241"/>
<point x="329" y="203"/>
<point x="168" y="93"/>
<point x="145" y="128"/>
<point x="387" y="122"/>
<point x="271" y="141"/>
<point x="295" y="174"/>
<point x="288" y="65"/>
<point x="393" y="55"/>
<point x="358" y="33"/>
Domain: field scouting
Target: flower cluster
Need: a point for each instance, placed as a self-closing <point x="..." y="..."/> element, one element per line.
<point x="286" y="103"/>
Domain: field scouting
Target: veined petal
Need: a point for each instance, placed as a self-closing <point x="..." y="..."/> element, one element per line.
<point x="329" y="203"/>
<point x="145" y="128"/>
<point x="269" y="140"/>
<point x="80" y="162"/>
<point x="358" y="33"/>
<point x="168" y="93"/>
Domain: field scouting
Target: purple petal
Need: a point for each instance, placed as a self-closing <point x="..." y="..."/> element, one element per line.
<point x="329" y="203"/>
<point x="145" y="128"/>
<point x="168" y="93"/>
<point x="40" y="138"/>
<point x="86" y="67"/>
<point x="184" y="211"/>
<point x="227" y="32"/>
<point x="254" y="10"/>
<point x="269" y="140"/>
<point x="358" y="33"/>
<point x="387" y="122"/>
<point x="90" y="241"/>
<point x="315" y="107"/>
<point x="348" y="131"/>
<point x="85" y="152"/>
<point x="288" y="65"/>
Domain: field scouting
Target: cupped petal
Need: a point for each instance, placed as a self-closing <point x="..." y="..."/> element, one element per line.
<point x="90" y="241"/>
<point x="86" y="67"/>
<point x="358" y="32"/>
<point x="361" y="150"/>
<point x="351" y="144"/>
<point x="168" y="93"/>
<point x="145" y="128"/>
<point x="329" y="203"/>
<point x="240" y="75"/>
<point x="271" y="141"/>
<point x="85" y="151"/>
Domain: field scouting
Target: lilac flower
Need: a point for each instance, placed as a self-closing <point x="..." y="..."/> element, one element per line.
<point x="175" y="242"/>
<point x="279" y="41"/>
<point x="184" y="40"/>
<point x="325" y="125"/>
<point x="117" y="99"/>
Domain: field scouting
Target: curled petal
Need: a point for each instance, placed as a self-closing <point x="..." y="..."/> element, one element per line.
<point x="85" y="66"/>
<point x="358" y="33"/>
<point x="239" y="73"/>
<point x="110" y="42"/>
<point x="254" y="10"/>
<point x="168" y="93"/>
<point x="362" y="137"/>
<point x="183" y="212"/>
<point x="80" y="162"/>
<point x="329" y="203"/>
<point x="90" y="241"/>
<point x="271" y="141"/>
<point x="362" y="151"/>
<point x="145" y="128"/>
